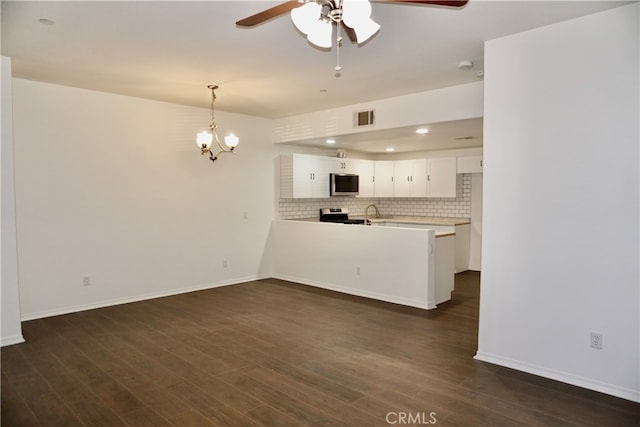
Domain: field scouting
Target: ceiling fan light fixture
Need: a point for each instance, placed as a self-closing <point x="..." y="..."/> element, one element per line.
<point x="308" y="20"/>
<point x="321" y="34"/>
<point x="306" y="16"/>
<point x="356" y="14"/>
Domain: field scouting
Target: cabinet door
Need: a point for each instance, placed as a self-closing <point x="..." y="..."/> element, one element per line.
<point x="402" y="175"/>
<point x="365" y="170"/>
<point x="471" y="164"/>
<point x="339" y="165"/>
<point x="320" y="176"/>
<point x="442" y="177"/>
<point x="310" y="176"/>
<point x="302" y="176"/>
<point x="419" y="176"/>
<point x="410" y="178"/>
<point x="383" y="186"/>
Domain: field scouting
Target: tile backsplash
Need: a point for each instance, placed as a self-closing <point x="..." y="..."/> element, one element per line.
<point x="460" y="207"/>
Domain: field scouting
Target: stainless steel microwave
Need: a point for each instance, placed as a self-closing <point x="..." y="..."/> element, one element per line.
<point x="344" y="184"/>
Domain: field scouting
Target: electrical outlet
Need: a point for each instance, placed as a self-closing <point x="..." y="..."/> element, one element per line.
<point x="225" y="264"/>
<point x="596" y="340"/>
<point x="86" y="281"/>
<point x="358" y="271"/>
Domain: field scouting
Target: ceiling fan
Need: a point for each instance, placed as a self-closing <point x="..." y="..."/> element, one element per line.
<point x="315" y="18"/>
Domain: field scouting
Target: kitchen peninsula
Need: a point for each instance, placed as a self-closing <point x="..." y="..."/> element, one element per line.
<point x="399" y="259"/>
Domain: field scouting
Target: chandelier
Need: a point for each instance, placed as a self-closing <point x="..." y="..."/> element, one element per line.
<point x="204" y="139"/>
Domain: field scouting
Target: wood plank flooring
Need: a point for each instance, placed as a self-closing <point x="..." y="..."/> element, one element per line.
<point x="273" y="353"/>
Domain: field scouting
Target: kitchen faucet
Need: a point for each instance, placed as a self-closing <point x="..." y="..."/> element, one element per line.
<point x="366" y="214"/>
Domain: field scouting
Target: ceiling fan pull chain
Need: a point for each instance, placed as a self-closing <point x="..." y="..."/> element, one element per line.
<point x="338" y="68"/>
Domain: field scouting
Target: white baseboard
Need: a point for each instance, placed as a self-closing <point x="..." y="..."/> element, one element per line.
<point x="15" y="339"/>
<point x="136" y="298"/>
<point x="565" y="377"/>
<point x="360" y="293"/>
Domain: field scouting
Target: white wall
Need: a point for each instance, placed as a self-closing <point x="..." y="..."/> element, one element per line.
<point x="561" y="211"/>
<point x="114" y="188"/>
<point x="439" y="105"/>
<point x="385" y="263"/>
<point x="11" y="328"/>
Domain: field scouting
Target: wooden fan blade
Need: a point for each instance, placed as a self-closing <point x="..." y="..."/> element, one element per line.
<point x="267" y="14"/>
<point x="450" y="3"/>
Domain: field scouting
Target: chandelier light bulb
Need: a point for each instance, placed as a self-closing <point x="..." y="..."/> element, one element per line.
<point x="231" y="140"/>
<point x="204" y="139"/>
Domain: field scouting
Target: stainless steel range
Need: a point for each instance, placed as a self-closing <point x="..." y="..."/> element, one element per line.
<point x="340" y="215"/>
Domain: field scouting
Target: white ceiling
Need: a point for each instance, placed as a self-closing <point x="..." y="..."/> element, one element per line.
<point x="170" y="50"/>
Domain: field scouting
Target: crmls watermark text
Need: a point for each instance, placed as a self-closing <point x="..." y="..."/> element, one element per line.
<point x="423" y="418"/>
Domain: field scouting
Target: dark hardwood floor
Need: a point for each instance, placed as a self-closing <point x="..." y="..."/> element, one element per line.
<point x="273" y="353"/>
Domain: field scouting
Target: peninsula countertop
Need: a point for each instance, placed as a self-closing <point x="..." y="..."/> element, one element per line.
<point x="405" y="219"/>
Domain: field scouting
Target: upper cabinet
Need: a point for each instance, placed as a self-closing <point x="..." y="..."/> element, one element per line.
<point x="342" y="165"/>
<point x="441" y="177"/>
<point x="383" y="178"/>
<point x="304" y="176"/>
<point x="307" y="176"/>
<point x="410" y="178"/>
<point x="471" y="164"/>
<point x="365" y="169"/>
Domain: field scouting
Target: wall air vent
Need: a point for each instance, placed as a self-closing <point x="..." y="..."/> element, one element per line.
<point x="363" y="118"/>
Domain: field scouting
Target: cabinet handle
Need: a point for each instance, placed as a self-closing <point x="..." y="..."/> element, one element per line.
<point x="480" y="163"/>
<point x="428" y="177"/>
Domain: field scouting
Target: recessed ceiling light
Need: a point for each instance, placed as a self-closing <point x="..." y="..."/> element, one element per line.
<point x="390" y="149"/>
<point x="422" y="131"/>
<point x="330" y="141"/>
<point x="465" y="65"/>
<point x="45" y="21"/>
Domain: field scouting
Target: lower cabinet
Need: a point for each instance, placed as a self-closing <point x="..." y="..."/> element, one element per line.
<point x="463" y="245"/>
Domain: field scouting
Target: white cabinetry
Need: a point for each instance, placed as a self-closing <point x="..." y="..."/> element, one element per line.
<point x="304" y="176"/>
<point x="366" y="171"/>
<point x="441" y="177"/>
<point x="462" y="248"/>
<point x="338" y="165"/>
<point x="363" y="168"/>
<point x="307" y="176"/>
<point x="410" y="178"/>
<point x="383" y="178"/>
<point x="471" y="164"/>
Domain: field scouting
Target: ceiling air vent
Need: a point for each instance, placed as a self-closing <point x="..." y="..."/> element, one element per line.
<point x="363" y="118"/>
